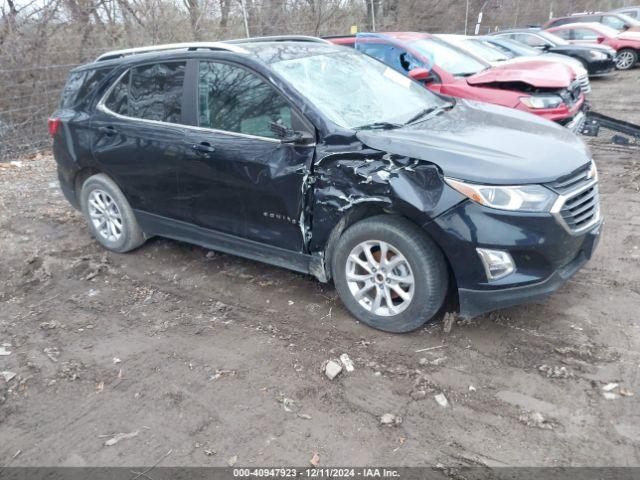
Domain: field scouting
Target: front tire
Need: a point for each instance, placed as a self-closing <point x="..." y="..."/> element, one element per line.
<point x="626" y="59"/>
<point x="109" y="215"/>
<point x="389" y="273"/>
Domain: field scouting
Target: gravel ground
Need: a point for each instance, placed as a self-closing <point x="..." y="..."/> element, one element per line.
<point x="218" y="359"/>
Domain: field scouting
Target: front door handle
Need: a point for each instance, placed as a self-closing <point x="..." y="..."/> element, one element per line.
<point x="108" y="130"/>
<point x="203" y="147"/>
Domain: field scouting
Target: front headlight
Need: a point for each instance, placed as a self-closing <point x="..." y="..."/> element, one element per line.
<point x="523" y="198"/>
<point x="542" y="101"/>
<point x="596" y="55"/>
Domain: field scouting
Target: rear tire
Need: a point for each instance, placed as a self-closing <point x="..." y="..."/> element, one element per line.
<point x="109" y="215"/>
<point x="626" y="59"/>
<point x="401" y="282"/>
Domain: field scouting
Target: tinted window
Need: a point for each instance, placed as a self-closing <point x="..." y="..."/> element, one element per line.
<point x="234" y="99"/>
<point x="151" y="92"/>
<point x="81" y="86"/>
<point x="70" y="91"/>
<point x="118" y="100"/>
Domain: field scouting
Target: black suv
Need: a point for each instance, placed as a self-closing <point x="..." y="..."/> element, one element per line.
<point x="320" y="159"/>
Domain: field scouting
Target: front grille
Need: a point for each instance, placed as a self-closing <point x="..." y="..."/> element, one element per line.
<point x="578" y="204"/>
<point x="582" y="209"/>
<point x="575" y="180"/>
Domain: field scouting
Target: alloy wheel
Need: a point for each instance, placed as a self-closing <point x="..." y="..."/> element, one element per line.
<point x="105" y="215"/>
<point x="624" y="60"/>
<point x="380" y="278"/>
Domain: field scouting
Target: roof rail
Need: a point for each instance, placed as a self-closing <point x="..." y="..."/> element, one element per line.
<point x="170" y="46"/>
<point x="278" y="38"/>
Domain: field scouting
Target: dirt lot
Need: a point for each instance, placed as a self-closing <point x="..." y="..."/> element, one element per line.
<point x="218" y="359"/>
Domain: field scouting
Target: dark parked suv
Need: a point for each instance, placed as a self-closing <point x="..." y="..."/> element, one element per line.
<point x="320" y="159"/>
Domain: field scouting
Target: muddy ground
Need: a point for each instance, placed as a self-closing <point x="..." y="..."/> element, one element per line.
<point x="218" y="359"/>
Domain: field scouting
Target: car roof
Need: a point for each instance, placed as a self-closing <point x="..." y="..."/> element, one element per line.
<point x="264" y="49"/>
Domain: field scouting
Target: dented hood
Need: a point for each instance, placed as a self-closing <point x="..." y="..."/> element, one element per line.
<point x="486" y="143"/>
<point x="537" y="73"/>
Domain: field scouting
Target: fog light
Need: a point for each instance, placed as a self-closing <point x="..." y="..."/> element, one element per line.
<point x="497" y="263"/>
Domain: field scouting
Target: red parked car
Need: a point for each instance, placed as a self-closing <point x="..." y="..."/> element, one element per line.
<point x="548" y="90"/>
<point x="626" y="44"/>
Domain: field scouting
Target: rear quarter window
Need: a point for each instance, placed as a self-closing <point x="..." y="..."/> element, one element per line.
<point x="80" y="87"/>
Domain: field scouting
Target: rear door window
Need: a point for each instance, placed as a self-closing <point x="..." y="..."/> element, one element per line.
<point x="234" y="99"/>
<point x="150" y="92"/>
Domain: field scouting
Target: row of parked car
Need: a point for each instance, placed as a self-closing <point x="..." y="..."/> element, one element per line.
<point x="380" y="174"/>
<point x="544" y="71"/>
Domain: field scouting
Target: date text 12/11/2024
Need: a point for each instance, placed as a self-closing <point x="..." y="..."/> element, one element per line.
<point x="326" y="472"/>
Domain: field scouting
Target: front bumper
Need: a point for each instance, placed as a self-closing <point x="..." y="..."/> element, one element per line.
<point x="544" y="252"/>
<point x="601" y="67"/>
<point x="477" y="302"/>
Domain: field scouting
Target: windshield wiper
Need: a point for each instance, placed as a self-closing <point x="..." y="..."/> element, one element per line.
<point x="427" y="111"/>
<point x="379" y="126"/>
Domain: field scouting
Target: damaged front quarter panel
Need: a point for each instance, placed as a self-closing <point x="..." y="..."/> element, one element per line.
<point x="351" y="185"/>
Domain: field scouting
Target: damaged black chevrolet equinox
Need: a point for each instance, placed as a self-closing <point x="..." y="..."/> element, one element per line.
<point x="319" y="159"/>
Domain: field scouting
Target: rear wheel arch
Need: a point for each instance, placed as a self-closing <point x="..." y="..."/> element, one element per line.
<point x="81" y="176"/>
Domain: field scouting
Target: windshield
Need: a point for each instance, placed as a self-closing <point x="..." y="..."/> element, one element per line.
<point x="450" y="59"/>
<point x="486" y="51"/>
<point x="608" y="31"/>
<point x="354" y="90"/>
<point x="553" y="38"/>
<point x="629" y="20"/>
<point x="516" y="47"/>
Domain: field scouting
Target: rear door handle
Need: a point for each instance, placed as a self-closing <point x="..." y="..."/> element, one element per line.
<point x="108" y="130"/>
<point x="203" y="147"/>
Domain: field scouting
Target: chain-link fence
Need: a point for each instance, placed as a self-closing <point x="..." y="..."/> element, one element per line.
<point x="41" y="41"/>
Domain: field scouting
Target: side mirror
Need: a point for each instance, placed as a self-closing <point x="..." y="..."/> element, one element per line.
<point x="545" y="47"/>
<point x="287" y="135"/>
<point x="420" y="74"/>
<point x="600" y="39"/>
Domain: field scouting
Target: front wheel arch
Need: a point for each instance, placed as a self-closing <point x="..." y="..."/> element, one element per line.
<point x="427" y="264"/>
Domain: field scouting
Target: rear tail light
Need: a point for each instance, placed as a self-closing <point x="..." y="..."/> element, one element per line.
<point x="54" y="124"/>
